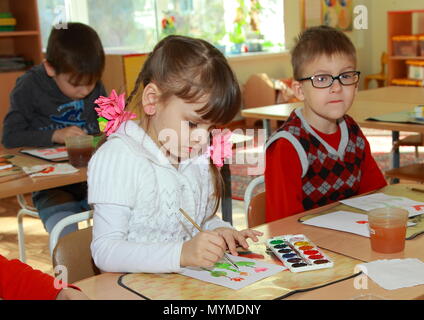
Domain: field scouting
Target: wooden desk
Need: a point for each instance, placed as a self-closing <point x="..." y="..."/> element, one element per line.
<point x="393" y="94"/>
<point x="105" y="286"/>
<point x="27" y="185"/>
<point x="360" y="111"/>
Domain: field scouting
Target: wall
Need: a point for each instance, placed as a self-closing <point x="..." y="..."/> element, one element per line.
<point x="275" y="65"/>
<point x="378" y="25"/>
<point x="279" y="66"/>
<point x="369" y="43"/>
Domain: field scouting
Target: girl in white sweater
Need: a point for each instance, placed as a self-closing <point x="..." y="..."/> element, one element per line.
<point x="146" y="171"/>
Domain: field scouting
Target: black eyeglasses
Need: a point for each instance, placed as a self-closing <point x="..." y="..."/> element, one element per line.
<point x="326" y="80"/>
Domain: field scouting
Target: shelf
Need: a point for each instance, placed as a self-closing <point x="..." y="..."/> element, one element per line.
<point x="407" y="58"/>
<point x="10" y="34"/>
<point x="409" y="82"/>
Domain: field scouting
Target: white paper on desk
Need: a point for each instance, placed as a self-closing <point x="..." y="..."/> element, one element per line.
<point x="396" y="273"/>
<point x="48" y="153"/>
<point x="224" y="274"/>
<point x="346" y="221"/>
<point x="381" y="200"/>
<point x="49" y="169"/>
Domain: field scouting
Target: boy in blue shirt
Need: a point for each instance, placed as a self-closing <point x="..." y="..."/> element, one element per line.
<point x="55" y="100"/>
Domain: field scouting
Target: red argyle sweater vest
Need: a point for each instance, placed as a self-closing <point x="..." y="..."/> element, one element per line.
<point x="328" y="175"/>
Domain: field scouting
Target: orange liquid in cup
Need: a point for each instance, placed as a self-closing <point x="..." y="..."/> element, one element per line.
<point x="79" y="157"/>
<point x="388" y="240"/>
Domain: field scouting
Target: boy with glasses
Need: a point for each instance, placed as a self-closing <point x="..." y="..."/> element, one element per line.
<point x="320" y="154"/>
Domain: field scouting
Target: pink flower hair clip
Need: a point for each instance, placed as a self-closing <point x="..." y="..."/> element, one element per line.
<point x="221" y="148"/>
<point x="111" y="112"/>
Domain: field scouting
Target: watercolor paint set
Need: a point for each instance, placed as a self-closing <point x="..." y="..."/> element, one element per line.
<point x="298" y="253"/>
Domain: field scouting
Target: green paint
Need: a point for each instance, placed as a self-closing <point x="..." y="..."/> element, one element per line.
<point x="218" y="274"/>
<point x="215" y="273"/>
<point x="226" y="266"/>
<point x="277" y="241"/>
<point x="245" y="264"/>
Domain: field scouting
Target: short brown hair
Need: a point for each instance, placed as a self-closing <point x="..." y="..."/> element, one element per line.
<point x="318" y="41"/>
<point x="77" y="50"/>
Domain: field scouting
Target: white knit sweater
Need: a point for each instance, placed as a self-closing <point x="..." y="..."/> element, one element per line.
<point x="137" y="194"/>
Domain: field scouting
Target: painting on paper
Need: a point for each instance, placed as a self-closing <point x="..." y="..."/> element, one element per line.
<point x="225" y="274"/>
<point x="338" y="14"/>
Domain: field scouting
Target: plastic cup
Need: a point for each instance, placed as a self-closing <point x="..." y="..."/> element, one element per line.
<point x="80" y="149"/>
<point x="387" y="229"/>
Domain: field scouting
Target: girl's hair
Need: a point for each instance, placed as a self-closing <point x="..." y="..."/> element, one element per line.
<point x="191" y="69"/>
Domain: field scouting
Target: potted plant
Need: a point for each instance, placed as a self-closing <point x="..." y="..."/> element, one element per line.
<point x="254" y="37"/>
<point x="237" y="36"/>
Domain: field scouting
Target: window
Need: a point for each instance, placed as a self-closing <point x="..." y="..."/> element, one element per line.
<point x="136" y="25"/>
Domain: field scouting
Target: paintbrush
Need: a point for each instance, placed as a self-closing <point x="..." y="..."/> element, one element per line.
<point x="185" y="214"/>
<point x="416" y="189"/>
<point x="298" y="253"/>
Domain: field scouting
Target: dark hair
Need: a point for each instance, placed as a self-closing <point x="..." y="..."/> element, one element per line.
<point x="77" y="50"/>
<point x="189" y="69"/>
<point x="318" y="41"/>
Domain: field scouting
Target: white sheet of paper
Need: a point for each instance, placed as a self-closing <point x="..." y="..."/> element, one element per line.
<point x="396" y="273"/>
<point x="346" y="221"/>
<point x="48" y="153"/>
<point x="381" y="200"/>
<point x="229" y="277"/>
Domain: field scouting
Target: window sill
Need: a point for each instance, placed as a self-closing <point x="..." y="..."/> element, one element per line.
<point x="257" y="55"/>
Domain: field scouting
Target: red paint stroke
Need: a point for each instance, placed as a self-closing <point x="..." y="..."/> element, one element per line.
<point x="237" y="279"/>
<point x="362" y="222"/>
<point x="47" y="170"/>
<point x="260" y="269"/>
<point x="251" y="255"/>
<point x="419" y="207"/>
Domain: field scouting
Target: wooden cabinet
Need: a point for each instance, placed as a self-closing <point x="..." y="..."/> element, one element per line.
<point x="403" y="23"/>
<point x="25" y="42"/>
<point x="121" y="71"/>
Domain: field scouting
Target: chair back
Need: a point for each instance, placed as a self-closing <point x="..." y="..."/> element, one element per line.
<point x="256" y="211"/>
<point x="384" y="61"/>
<point x="73" y="252"/>
<point x="258" y="91"/>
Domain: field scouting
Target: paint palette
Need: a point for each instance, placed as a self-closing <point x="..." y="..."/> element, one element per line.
<point x="298" y="253"/>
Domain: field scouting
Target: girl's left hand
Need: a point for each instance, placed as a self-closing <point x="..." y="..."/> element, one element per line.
<point x="231" y="236"/>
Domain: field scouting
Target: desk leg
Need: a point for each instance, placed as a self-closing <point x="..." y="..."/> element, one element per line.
<point x="395" y="154"/>
<point x="226" y="205"/>
<point x="267" y="126"/>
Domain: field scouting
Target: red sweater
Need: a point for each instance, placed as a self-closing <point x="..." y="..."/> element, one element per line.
<point x="283" y="173"/>
<point x="18" y="281"/>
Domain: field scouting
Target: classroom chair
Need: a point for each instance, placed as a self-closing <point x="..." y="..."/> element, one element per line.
<point x="380" y="77"/>
<point x="414" y="140"/>
<point x="73" y="250"/>
<point x="413" y="172"/>
<point x="260" y="91"/>
<point x="254" y="207"/>
<point x="26" y="210"/>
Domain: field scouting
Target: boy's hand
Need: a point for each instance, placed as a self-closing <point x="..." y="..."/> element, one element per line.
<point x="231" y="236"/>
<point x="203" y="250"/>
<point x="60" y="135"/>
